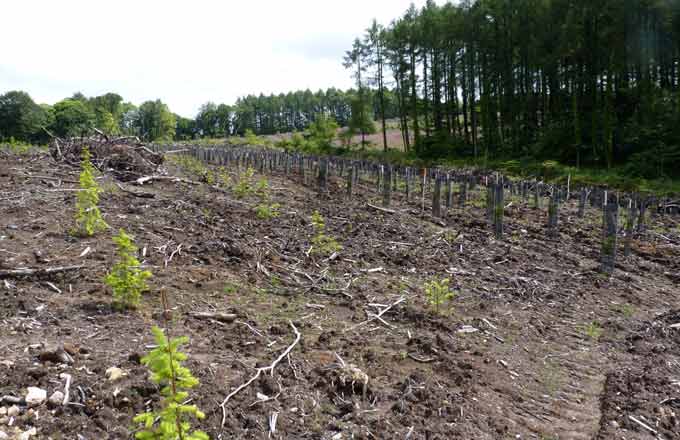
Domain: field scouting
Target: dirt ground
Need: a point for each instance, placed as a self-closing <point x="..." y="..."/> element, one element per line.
<point x="536" y="344"/>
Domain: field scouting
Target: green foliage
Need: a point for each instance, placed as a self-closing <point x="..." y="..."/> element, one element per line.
<point x="627" y="310"/>
<point x="190" y="165"/>
<point x="266" y="211"/>
<point x="154" y="121"/>
<point x="88" y="217"/>
<point x="245" y="183"/>
<point x="438" y="293"/>
<point x="223" y="178"/>
<point x="16" y="147"/>
<point x="592" y="330"/>
<point x="322" y="132"/>
<point x="171" y="421"/>
<point x="361" y="121"/>
<point x="321" y="243"/>
<point x="252" y="139"/>
<point x="127" y="279"/>
<point x="72" y="117"/>
<point x="21" y="119"/>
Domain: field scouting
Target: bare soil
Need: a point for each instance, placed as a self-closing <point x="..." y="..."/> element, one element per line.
<point x="536" y="343"/>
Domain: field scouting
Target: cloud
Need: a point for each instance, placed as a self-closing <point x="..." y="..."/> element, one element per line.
<point x="183" y="52"/>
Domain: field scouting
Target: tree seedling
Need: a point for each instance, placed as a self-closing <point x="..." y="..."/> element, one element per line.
<point x="322" y="243"/>
<point x="170" y="422"/>
<point x="127" y="279"/>
<point x="438" y="293"/>
<point x="88" y="217"/>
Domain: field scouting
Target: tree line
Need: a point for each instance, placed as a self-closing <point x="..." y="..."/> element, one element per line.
<point x="21" y="119"/>
<point x="581" y="81"/>
<point x="24" y="120"/>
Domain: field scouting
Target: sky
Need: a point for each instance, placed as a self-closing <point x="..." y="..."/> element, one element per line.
<point x="182" y="52"/>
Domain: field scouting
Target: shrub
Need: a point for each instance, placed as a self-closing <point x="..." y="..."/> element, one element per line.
<point x="127" y="279"/>
<point x="438" y="292"/>
<point x="88" y="217"/>
<point x="322" y="243"/>
<point x="170" y="422"/>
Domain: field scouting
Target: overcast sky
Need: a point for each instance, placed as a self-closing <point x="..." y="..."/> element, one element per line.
<point x="183" y="52"/>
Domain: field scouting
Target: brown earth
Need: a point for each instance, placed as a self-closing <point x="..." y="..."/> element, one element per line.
<point x="536" y="343"/>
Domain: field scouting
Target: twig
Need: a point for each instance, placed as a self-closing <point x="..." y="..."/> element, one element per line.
<point x="261" y="370"/>
<point x="25" y="271"/>
<point x="378" y="316"/>
<point x="647" y="427"/>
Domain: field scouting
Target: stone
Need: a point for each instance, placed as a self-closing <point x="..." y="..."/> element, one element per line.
<point x="3" y="411"/>
<point x="57" y="398"/>
<point x="27" y="434"/>
<point x="56" y="355"/>
<point x="13" y="411"/>
<point x="35" y="396"/>
<point x="3" y="435"/>
<point x="114" y="373"/>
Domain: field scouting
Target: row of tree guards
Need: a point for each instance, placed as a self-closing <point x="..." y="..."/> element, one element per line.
<point x="439" y="185"/>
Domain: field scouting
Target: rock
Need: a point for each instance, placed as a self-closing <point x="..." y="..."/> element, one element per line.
<point x="35" y="396"/>
<point x="71" y="349"/>
<point x="13" y="411"/>
<point x="3" y="411"/>
<point x="57" y="398"/>
<point x="27" y="434"/>
<point x="55" y="354"/>
<point x="114" y="373"/>
<point x="3" y="436"/>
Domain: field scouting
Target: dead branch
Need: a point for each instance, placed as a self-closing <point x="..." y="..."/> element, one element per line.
<point x="136" y="194"/>
<point x="378" y="208"/>
<point x="67" y="387"/>
<point x="147" y="179"/>
<point x="221" y="317"/>
<point x="27" y="272"/>
<point x="378" y="316"/>
<point x="261" y="370"/>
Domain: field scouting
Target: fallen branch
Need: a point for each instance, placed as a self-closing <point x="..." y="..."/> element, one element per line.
<point x="23" y="272"/>
<point x="378" y="208"/>
<point x="222" y="317"/>
<point x="647" y="427"/>
<point x="261" y="370"/>
<point x="147" y="179"/>
<point x="136" y="194"/>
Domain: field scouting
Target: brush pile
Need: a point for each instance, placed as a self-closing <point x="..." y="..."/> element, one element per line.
<point x="126" y="158"/>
